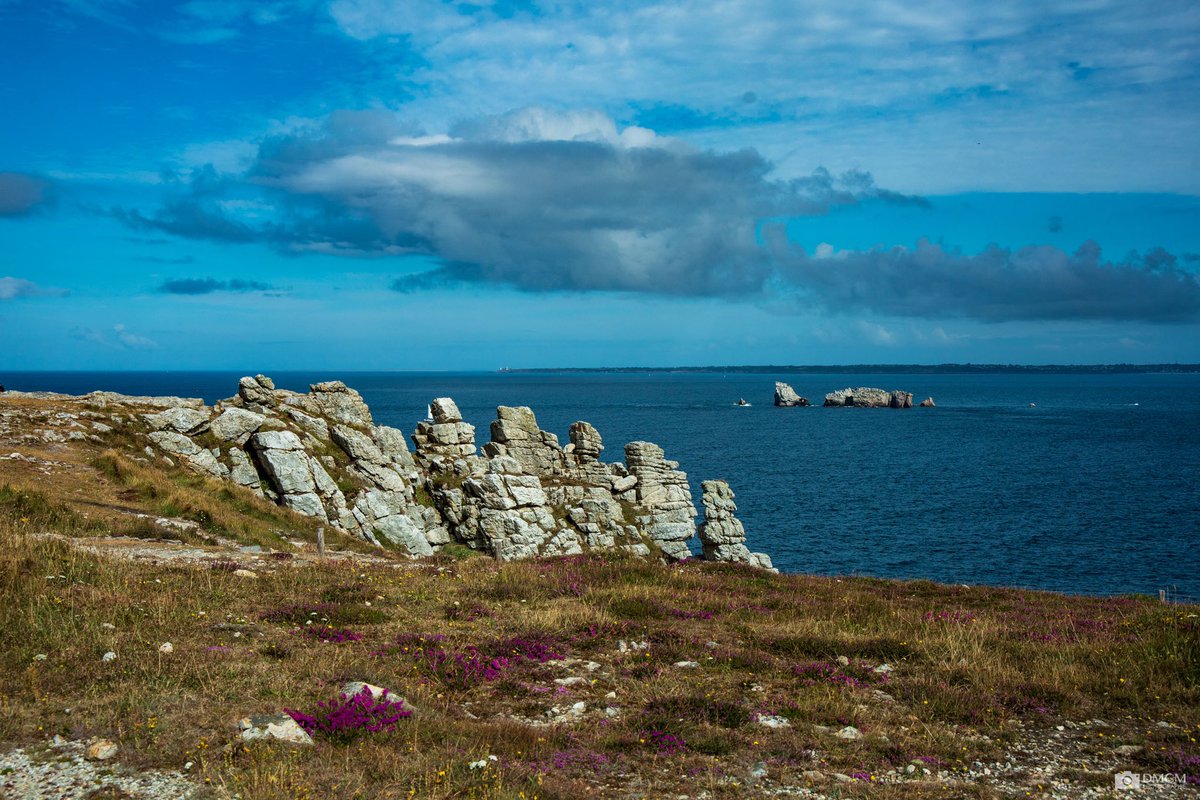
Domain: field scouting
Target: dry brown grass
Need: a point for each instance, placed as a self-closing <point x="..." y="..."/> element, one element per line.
<point x="975" y="669"/>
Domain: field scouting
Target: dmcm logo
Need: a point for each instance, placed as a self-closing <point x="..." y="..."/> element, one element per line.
<point x="1127" y="780"/>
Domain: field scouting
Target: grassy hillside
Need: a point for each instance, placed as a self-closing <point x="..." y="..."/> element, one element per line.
<point x="695" y="679"/>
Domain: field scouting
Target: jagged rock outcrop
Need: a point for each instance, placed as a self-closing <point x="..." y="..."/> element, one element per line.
<point x="445" y="436"/>
<point x="298" y="478"/>
<point x="928" y="403"/>
<point x="665" y="498"/>
<point x="869" y="398"/>
<point x="321" y="455"/>
<point x="785" y="396"/>
<point x="515" y="433"/>
<point x="259" y="390"/>
<point x="721" y="534"/>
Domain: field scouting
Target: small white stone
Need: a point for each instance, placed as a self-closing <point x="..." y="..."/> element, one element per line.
<point x="849" y="733"/>
<point x="101" y="750"/>
<point x="109" y="656"/>
<point x="108" y="626"/>
<point x="166" y="648"/>
<point x="40" y="657"/>
<point x="687" y="664"/>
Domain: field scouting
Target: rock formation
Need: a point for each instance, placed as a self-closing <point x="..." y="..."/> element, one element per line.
<point x="869" y="398"/>
<point x="521" y="495"/>
<point x="786" y="396"/>
<point x="928" y="403"/>
<point x="721" y="533"/>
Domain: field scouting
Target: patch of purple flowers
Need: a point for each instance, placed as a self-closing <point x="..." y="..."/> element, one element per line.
<point x="662" y="742"/>
<point x="346" y="718"/>
<point x="327" y="633"/>
<point x="824" y="672"/>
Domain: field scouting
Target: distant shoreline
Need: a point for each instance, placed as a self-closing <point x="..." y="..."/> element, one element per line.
<point x="891" y="369"/>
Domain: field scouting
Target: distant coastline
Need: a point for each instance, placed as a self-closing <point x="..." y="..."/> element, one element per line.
<point x="890" y="369"/>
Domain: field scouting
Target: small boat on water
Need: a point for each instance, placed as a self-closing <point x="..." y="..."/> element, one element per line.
<point x="741" y="403"/>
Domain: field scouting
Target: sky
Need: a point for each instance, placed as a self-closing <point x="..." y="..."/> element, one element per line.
<point x="427" y="185"/>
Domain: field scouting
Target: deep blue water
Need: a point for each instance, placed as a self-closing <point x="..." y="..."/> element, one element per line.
<point x="1095" y="490"/>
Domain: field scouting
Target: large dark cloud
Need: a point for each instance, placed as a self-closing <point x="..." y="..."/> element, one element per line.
<point x="21" y="194"/>
<point x="547" y="201"/>
<point x="1032" y="283"/>
<point x="192" y="286"/>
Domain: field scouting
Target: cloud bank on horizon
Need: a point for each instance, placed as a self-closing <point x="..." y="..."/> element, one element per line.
<point x="395" y="150"/>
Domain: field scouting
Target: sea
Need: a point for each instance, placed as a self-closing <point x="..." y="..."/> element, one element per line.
<point x="1084" y="484"/>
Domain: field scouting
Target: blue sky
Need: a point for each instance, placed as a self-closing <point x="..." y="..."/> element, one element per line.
<point x="387" y="184"/>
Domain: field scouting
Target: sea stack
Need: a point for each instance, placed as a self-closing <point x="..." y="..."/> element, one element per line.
<point x="785" y="396"/>
<point x="863" y="397"/>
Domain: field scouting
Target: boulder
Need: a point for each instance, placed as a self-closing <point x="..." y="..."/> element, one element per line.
<point x="340" y="403"/>
<point x="191" y="454"/>
<point x="259" y="390"/>
<point x="178" y="420"/>
<point x="444" y="409"/>
<point x="236" y="425"/>
<point x="785" y="396"/>
<point x="927" y="403"/>
<point x="279" y="727"/>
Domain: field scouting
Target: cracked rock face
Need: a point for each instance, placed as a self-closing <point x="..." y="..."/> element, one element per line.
<point x="516" y="434"/>
<point x="663" y="492"/>
<point x="236" y="425"/>
<point x="178" y="420"/>
<point x="321" y="455"/>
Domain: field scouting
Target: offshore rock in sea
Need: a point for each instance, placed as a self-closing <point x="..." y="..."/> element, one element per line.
<point x="863" y="397"/>
<point x="928" y="403"/>
<point x="721" y="534"/>
<point x="785" y="396"/>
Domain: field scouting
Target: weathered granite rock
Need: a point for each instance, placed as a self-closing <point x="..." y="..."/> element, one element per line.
<point x="299" y="479"/>
<point x="517" y="435"/>
<point x="445" y="436"/>
<point x="393" y="446"/>
<point x="105" y="399"/>
<point x="721" y="534"/>
<point x="236" y="425"/>
<point x="259" y="390"/>
<point x="313" y="425"/>
<point x="340" y="403"/>
<point x="279" y="727"/>
<point x="192" y="454"/>
<point x="928" y="403"/>
<point x="528" y="497"/>
<point x="444" y="409"/>
<point x="663" y="493"/>
<point x="242" y="471"/>
<point x="786" y="396"/>
<point x="586" y="440"/>
<point x="178" y="420"/>
<point x="869" y="398"/>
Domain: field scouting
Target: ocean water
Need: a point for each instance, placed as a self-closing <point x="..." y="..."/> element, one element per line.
<point x="1095" y="490"/>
